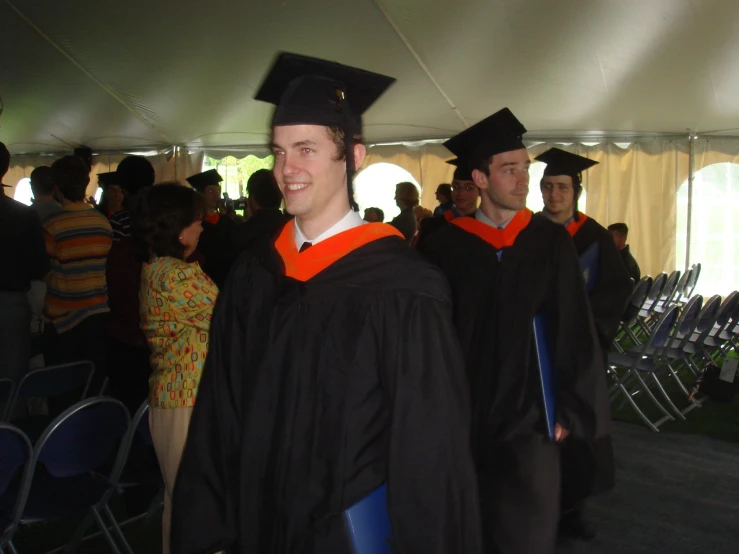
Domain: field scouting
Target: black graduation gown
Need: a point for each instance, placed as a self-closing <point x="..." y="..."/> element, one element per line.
<point x="588" y="466"/>
<point x="613" y="286"/>
<point x="264" y="224"/>
<point x="317" y="392"/>
<point x="631" y="265"/>
<point x="216" y="245"/>
<point x="495" y="302"/>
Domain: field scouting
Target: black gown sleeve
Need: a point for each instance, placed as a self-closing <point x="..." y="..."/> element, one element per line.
<point x="432" y="486"/>
<point x="612" y="290"/>
<point x="205" y="497"/>
<point x="578" y="356"/>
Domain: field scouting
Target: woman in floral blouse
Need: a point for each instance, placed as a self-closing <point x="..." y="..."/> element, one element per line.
<point x="176" y="303"/>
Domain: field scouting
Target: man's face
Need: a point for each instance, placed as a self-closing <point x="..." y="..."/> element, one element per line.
<point x="464" y="196"/>
<point x="558" y="194"/>
<point x="507" y="186"/>
<point x="212" y="194"/>
<point x="439" y="196"/>
<point x="619" y="239"/>
<point x="310" y="177"/>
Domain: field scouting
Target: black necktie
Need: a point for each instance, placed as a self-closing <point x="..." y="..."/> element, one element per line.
<point x="305" y="246"/>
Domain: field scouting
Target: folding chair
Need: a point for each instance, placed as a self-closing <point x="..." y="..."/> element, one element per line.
<point x="647" y="310"/>
<point x="693" y="348"/>
<point x="77" y="443"/>
<point x="690" y="287"/>
<point x="136" y="471"/>
<point x="47" y="382"/>
<point x="714" y="343"/>
<point x="687" y="283"/>
<point x="7" y="386"/>
<point x="636" y="302"/>
<point x="638" y="360"/>
<point x="667" y="293"/>
<point x="15" y="453"/>
<point x="675" y="352"/>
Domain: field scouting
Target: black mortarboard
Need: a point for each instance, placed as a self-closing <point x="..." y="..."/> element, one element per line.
<point x="560" y="162"/>
<point x="500" y="132"/>
<point x="461" y="171"/>
<point x="205" y="179"/>
<point x="106" y="179"/>
<point x="310" y="91"/>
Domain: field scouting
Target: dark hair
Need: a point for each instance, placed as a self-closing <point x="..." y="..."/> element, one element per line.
<point x="336" y="134"/>
<point x="4" y="160"/>
<point x="619" y="228"/>
<point x="135" y="173"/>
<point x="71" y="176"/>
<point x="263" y="188"/>
<point x="379" y="212"/>
<point x="42" y="180"/>
<point x="162" y="212"/>
<point x="445" y="189"/>
<point x="85" y="154"/>
<point x="408" y="193"/>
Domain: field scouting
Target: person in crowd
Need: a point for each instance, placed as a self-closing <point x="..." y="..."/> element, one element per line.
<point x="84" y="153"/>
<point x="113" y="199"/>
<point x="24" y="260"/>
<point x="505" y="266"/>
<point x="78" y="240"/>
<point x="374" y="215"/>
<point x="465" y="198"/>
<point x="264" y="203"/>
<point x="620" y="233"/>
<point x="133" y="174"/>
<point x="421" y="213"/>
<point x="218" y="232"/>
<point x="176" y="304"/>
<point x="587" y="467"/>
<point x="128" y="352"/>
<point x="333" y="372"/>
<point x="43" y="188"/>
<point x="407" y="198"/>
<point x="444" y="198"/>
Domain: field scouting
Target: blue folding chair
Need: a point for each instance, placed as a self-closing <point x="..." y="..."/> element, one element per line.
<point x="643" y="359"/>
<point x="7" y="386"/>
<point x="74" y="448"/>
<point x="15" y="453"/>
<point x="140" y="467"/>
<point x="48" y="382"/>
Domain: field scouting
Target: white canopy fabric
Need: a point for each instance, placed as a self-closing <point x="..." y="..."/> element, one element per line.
<point x="151" y="74"/>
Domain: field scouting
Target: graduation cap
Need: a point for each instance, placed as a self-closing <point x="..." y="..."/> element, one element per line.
<point x="461" y="171"/>
<point x="560" y="162"/>
<point x="107" y="179"/>
<point x="498" y="133"/>
<point x="201" y="181"/>
<point x="311" y="91"/>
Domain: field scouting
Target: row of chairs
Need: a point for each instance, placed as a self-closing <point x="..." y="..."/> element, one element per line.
<point x="74" y="468"/>
<point x="669" y="334"/>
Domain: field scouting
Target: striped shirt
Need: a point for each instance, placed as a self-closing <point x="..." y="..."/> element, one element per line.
<point x="78" y="240"/>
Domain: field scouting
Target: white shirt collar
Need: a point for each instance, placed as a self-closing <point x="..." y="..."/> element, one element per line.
<point x="482" y="218"/>
<point x="349" y="221"/>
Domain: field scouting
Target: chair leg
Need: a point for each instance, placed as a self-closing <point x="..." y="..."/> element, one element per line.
<point x="104" y="530"/>
<point x="117" y="528"/>
<point x="667" y="397"/>
<point x="79" y="533"/>
<point x="636" y="407"/>
<point x="649" y="393"/>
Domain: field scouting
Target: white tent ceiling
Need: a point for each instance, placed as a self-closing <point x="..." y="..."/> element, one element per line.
<point x="131" y="74"/>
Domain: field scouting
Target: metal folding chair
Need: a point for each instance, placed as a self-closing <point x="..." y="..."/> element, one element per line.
<point x="47" y="382"/>
<point x="15" y="455"/>
<point x="77" y="444"/>
<point x="716" y="340"/>
<point x="687" y="283"/>
<point x="668" y="292"/>
<point x="626" y="368"/>
<point x="635" y="304"/>
<point x="647" y="311"/>
<point x="690" y="286"/>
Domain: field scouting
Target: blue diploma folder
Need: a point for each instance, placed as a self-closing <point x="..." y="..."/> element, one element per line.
<point x="369" y="523"/>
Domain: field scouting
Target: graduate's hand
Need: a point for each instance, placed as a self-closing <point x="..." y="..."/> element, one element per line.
<point x="560" y="433"/>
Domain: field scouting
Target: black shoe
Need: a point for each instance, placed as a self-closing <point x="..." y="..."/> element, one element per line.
<point x="574" y="526"/>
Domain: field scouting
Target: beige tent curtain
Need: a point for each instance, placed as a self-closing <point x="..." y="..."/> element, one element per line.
<point x="179" y="166"/>
<point x="635" y="183"/>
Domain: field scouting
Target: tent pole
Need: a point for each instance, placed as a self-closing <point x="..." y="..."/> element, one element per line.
<point x="691" y="167"/>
